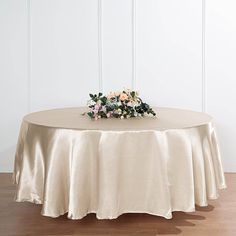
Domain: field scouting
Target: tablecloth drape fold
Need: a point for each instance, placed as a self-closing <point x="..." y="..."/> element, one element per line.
<point x="114" y="172"/>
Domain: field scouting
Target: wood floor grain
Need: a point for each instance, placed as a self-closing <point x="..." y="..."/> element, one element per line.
<point x="218" y="219"/>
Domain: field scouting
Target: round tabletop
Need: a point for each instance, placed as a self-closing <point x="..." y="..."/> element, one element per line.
<point x="72" y="118"/>
<point x="72" y="164"/>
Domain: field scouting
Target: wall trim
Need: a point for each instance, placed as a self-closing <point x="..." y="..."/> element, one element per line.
<point x="133" y="83"/>
<point x="204" y="82"/>
<point x="100" y="48"/>
<point x="29" y="53"/>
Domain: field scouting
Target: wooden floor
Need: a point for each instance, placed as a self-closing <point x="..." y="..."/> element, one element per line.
<point x="218" y="219"/>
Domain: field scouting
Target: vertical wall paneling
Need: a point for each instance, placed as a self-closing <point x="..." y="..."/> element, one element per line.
<point x="13" y="76"/>
<point x="169" y="52"/>
<point x="64" y="52"/>
<point x="221" y="74"/>
<point x="100" y="63"/>
<point x="203" y="57"/>
<point x="117" y="44"/>
<point x="29" y="55"/>
<point x="133" y="44"/>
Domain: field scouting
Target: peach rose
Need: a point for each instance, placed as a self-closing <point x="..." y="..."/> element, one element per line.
<point x="123" y="96"/>
<point x="113" y="94"/>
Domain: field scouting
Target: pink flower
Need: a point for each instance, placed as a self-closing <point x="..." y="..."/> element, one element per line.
<point x="97" y="107"/>
<point x="109" y="114"/>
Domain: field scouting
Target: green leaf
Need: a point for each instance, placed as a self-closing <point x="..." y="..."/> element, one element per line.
<point x="90" y="114"/>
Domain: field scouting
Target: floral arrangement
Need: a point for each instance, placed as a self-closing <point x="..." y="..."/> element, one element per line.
<point x="124" y="104"/>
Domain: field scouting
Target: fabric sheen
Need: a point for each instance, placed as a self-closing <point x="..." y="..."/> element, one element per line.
<point x="69" y="163"/>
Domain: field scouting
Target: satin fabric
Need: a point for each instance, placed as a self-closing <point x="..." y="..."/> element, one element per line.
<point x="111" y="172"/>
<point x="72" y="118"/>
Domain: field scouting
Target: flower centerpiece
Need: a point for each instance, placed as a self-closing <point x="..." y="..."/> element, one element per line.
<point x="124" y="104"/>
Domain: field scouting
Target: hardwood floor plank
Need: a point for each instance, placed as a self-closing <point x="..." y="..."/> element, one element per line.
<point x="24" y="219"/>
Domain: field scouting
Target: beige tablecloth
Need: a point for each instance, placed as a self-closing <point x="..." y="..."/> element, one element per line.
<point x="69" y="163"/>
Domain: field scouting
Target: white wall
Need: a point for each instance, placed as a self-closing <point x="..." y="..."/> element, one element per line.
<point x="13" y="76"/>
<point x="177" y="53"/>
<point x="221" y="74"/>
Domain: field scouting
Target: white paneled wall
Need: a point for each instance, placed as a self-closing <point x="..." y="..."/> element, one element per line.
<point x="169" y="52"/>
<point x="13" y="76"/>
<point x="64" y="49"/>
<point x="177" y="53"/>
<point x="116" y="44"/>
<point x="221" y="74"/>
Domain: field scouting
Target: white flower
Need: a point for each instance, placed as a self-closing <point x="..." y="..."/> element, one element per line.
<point x="91" y="103"/>
<point x="103" y="108"/>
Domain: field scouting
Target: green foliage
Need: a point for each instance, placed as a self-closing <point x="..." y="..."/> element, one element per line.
<point x="123" y="104"/>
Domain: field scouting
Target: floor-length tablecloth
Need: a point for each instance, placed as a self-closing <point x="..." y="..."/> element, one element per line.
<point x="69" y="163"/>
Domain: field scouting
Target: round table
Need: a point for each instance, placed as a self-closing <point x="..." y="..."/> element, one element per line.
<point x="72" y="164"/>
